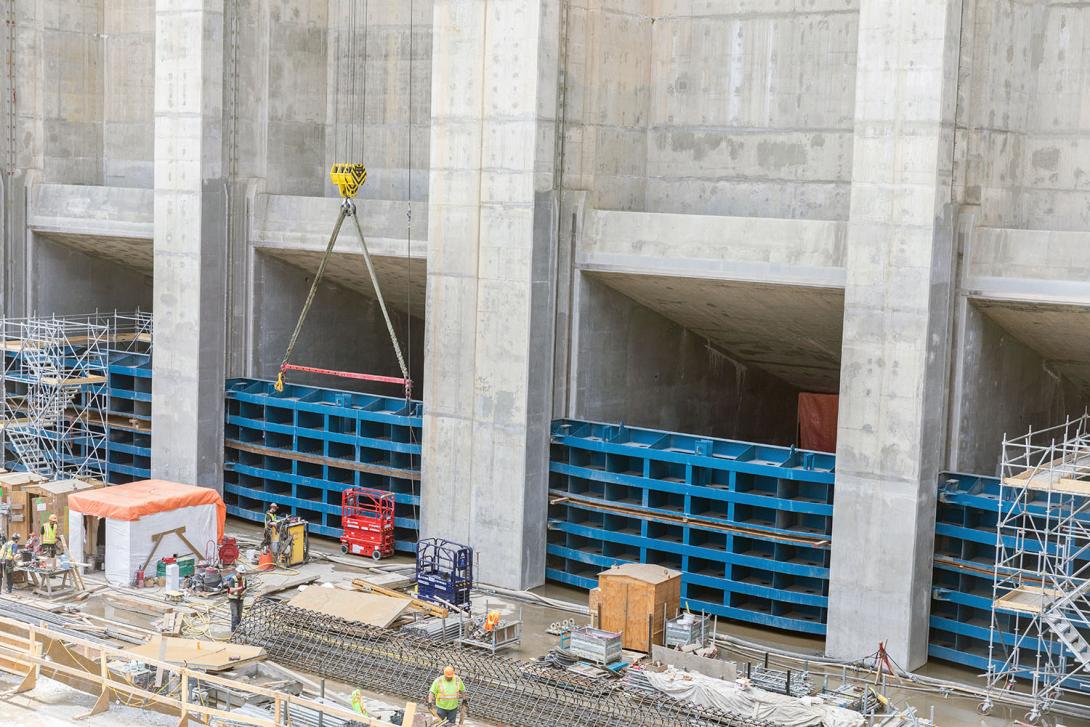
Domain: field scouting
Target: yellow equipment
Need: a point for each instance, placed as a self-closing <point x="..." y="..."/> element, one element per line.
<point x="348" y="178"/>
<point x="289" y="541"/>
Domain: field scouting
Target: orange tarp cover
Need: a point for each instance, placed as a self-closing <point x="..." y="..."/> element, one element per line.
<point x="145" y="497"/>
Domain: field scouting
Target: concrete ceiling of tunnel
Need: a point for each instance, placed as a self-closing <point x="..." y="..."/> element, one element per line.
<point x="1057" y="332"/>
<point x="792" y="332"/>
<point x="132" y="252"/>
<point x="403" y="280"/>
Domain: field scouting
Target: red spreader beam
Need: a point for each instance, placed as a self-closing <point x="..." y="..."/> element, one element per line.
<point x="407" y="383"/>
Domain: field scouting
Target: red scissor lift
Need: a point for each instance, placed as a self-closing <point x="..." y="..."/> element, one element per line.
<point x="367" y="517"/>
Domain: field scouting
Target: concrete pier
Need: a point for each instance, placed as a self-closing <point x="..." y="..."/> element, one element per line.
<point x="189" y="243"/>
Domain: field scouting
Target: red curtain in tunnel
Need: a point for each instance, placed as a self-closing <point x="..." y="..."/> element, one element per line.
<point x="817" y="421"/>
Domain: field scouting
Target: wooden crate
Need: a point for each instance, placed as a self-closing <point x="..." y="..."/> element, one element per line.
<point x="636" y="599"/>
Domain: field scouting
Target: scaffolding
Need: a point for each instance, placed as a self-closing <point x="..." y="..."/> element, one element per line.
<point x="55" y="389"/>
<point x="1040" y="618"/>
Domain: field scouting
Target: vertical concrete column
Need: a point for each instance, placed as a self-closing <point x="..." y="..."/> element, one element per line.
<point x="22" y="91"/>
<point x="896" y="329"/>
<point x="190" y="243"/>
<point x="488" y="341"/>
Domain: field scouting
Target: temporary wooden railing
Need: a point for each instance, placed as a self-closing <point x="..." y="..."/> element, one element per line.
<point x="26" y="657"/>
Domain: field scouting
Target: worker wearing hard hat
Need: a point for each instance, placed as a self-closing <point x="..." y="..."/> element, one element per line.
<point x="357" y="703"/>
<point x="272" y="516"/>
<point x="7" y="561"/>
<point x="49" y="537"/>
<point x="236" y="596"/>
<point x="447" y="697"/>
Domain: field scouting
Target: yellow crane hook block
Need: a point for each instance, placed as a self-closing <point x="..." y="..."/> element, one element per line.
<point x="348" y="178"/>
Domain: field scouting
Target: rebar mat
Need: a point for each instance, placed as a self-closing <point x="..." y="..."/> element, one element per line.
<point x="498" y="688"/>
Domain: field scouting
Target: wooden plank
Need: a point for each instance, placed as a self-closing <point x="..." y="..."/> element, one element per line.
<point x="326" y="461"/>
<point x="88" y="671"/>
<point x="368" y="608"/>
<point x="289" y="585"/>
<point x="1027" y="599"/>
<point x="73" y="380"/>
<point x="366" y="586"/>
<point x="211" y="655"/>
<point x="561" y="497"/>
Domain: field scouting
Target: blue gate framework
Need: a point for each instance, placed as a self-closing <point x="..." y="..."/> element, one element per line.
<point x="748" y="525"/>
<point x="128" y="427"/>
<point x="301" y="448"/>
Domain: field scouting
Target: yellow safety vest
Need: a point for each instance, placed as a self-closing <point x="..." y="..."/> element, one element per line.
<point x="49" y="534"/>
<point x="7" y="552"/>
<point x="446" y="692"/>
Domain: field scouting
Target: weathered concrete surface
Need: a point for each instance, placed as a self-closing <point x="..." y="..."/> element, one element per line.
<point x="190" y="243"/>
<point x="897" y="307"/>
<point x="791" y="332"/>
<point x="806" y="252"/>
<point x="685" y="382"/>
<point x="68" y="280"/>
<point x="1023" y="107"/>
<point x="91" y="211"/>
<point x="128" y="75"/>
<point x="488" y="345"/>
<point x="1029" y="265"/>
<point x="305" y="223"/>
<point x="1005" y="387"/>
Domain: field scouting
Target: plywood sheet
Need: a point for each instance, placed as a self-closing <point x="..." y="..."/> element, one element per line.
<point x="369" y="608"/>
<point x="1027" y="599"/>
<point x="196" y="654"/>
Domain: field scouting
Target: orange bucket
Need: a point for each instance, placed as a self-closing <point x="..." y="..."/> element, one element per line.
<point x="265" y="562"/>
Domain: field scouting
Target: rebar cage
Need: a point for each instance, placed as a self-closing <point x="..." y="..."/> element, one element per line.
<point x="499" y="688"/>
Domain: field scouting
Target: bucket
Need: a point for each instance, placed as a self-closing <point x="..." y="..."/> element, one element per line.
<point x="265" y="562"/>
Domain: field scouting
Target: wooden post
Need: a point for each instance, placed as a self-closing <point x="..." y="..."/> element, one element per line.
<point x="103" y="702"/>
<point x="34" y="649"/>
<point x="183" y="718"/>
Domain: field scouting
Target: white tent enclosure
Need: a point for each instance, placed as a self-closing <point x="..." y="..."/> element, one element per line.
<point x="130" y="542"/>
<point x="146" y="521"/>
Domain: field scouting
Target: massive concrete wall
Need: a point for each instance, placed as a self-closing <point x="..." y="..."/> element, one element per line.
<point x="734" y="108"/>
<point x="70" y="281"/>
<point x="752" y="107"/>
<point x="336" y="85"/>
<point x="128" y="31"/>
<point x="1004" y="388"/>
<point x="635" y="366"/>
<point x="69" y="98"/>
<point x="1023" y="112"/>
<point x="607" y="58"/>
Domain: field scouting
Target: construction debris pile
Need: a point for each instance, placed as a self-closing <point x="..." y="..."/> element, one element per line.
<point x="504" y="689"/>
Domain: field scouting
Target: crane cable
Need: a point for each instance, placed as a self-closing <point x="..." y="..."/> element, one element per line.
<point x="349" y="178"/>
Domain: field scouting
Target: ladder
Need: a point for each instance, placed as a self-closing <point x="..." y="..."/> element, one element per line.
<point x="27" y="447"/>
<point x="1070" y="637"/>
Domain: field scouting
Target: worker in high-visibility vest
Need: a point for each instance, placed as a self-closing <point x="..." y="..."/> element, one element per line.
<point x="236" y="596"/>
<point x="49" y="537"/>
<point x="7" y="560"/>
<point x="272" y="516"/>
<point x="357" y="703"/>
<point x="447" y="697"/>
